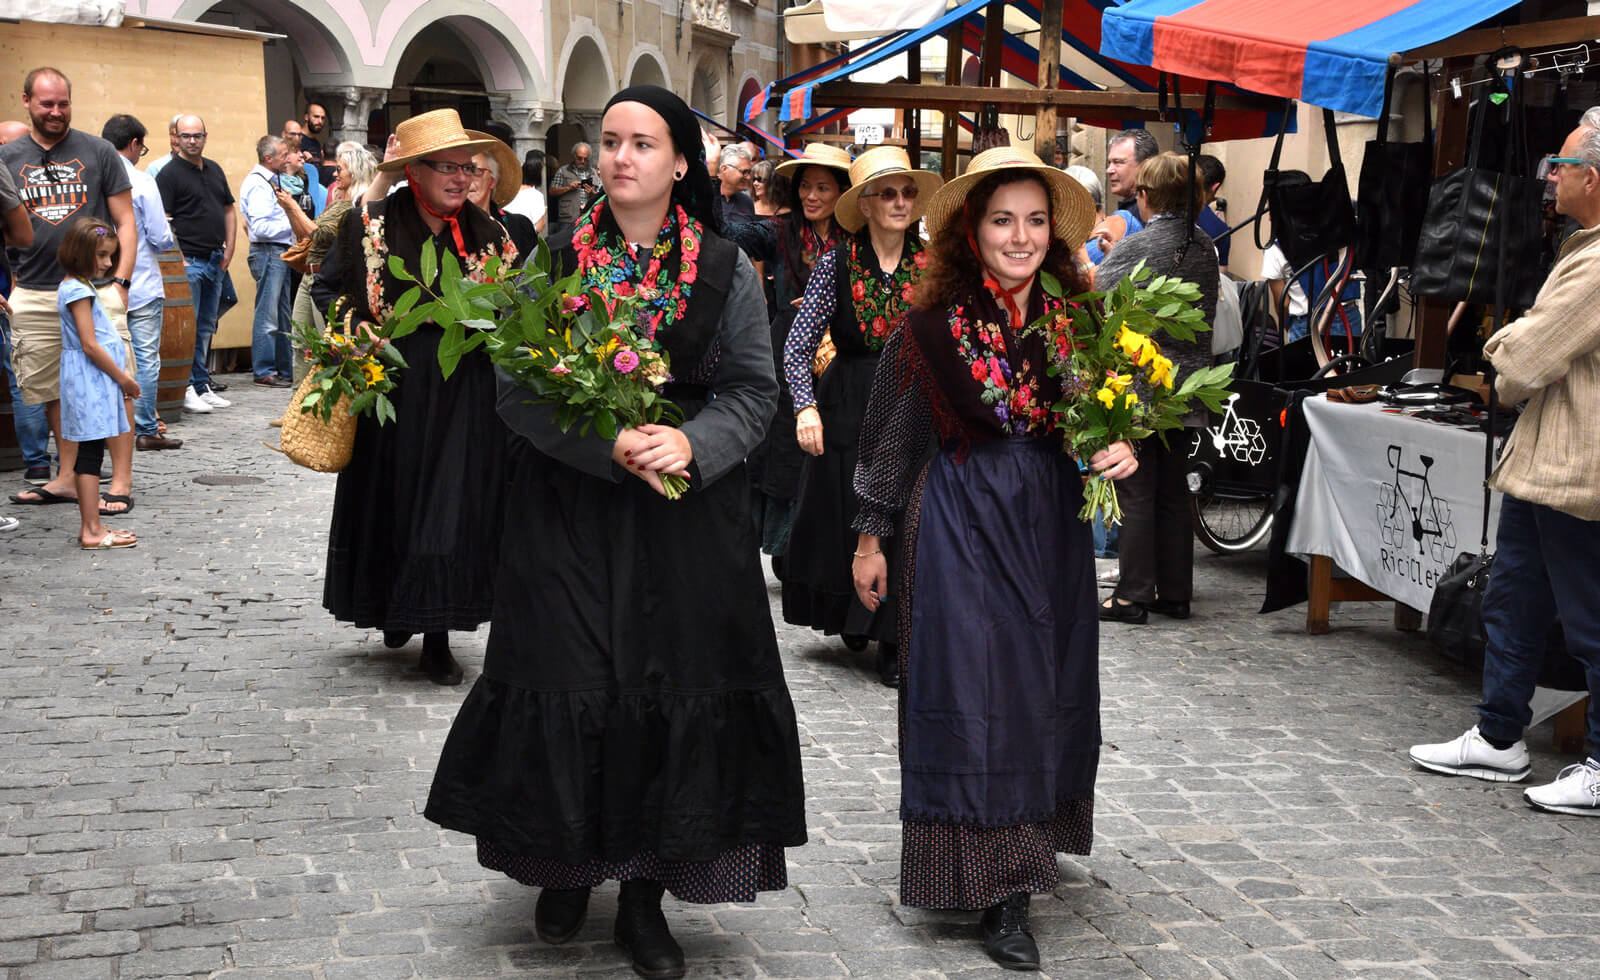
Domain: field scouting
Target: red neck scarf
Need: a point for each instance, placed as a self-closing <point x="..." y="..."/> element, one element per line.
<point x="452" y="219"/>
<point x="1007" y="297"/>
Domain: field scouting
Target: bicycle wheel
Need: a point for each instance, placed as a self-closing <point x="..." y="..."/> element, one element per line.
<point x="1229" y="525"/>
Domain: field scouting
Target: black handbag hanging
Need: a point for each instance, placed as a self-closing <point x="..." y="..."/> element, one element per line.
<point x="1310" y="218"/>
<point x="1455" y="616"/>
<point x="1475" y="210"/>
<point x="1392" y="191"/>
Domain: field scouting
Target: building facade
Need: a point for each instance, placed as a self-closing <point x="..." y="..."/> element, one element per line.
<point x="545" y="68"/>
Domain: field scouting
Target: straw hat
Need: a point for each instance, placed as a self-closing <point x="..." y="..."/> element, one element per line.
<point x="882" y="161"/>
<point x="430" y="133"/>
<point x="509" y="182"/>
<point x="815" y="155"/>
<point x="1070" y="205"/>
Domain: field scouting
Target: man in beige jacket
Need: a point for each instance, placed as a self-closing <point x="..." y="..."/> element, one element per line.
<point x="1547" y="552"/>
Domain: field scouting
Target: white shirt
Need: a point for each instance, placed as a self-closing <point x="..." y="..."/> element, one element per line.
<point x="1274" y="265"/>
<point x="264" y="217"/>
<point x="529" y="203"/>
<point x="155" y="235"/>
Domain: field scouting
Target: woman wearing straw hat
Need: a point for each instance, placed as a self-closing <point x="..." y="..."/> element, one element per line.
<point x="632" y="721"/>
<point x="1155" y="551"/>
<point x="999" y="703"/>
<point x="417" y="514"/>
<point x="789" y="245"/>
<point x="858" y="293"/>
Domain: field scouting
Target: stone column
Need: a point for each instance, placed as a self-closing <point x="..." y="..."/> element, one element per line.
<point x="348" y="109"/>
<point x="526" y="119"/>
<point x="589" y="121"/>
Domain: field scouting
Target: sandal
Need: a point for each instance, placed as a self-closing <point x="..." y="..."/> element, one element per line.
<point x="113" y="539"/>
<point x="43" y="498"/>
<point x="115" y="498"/>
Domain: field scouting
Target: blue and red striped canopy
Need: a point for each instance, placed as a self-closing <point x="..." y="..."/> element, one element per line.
<point x="1328" y="54"/>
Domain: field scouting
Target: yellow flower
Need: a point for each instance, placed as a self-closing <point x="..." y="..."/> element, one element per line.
<point x="1129" y="400"/>
<point x="1132" y="342"/>
<point x="1118" y="382"/>
<point x="1107" y="397"/>
<point x="1161" y="371"/>
<point x="373" y="371"/>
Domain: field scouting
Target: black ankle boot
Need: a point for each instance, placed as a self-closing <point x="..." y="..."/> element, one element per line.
<point x="437" y="662"/>
<point x="1006" y="938"/>
<point x="560" y="914"/>
<point x="889" y="664"/>
<point x="642" y="931"/>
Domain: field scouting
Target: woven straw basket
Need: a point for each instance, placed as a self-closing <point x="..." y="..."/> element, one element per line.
<point x="313" y="443"/>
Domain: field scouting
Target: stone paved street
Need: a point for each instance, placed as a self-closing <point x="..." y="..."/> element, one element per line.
<point x="202" y="775"/>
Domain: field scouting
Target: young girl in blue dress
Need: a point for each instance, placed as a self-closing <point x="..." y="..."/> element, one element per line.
<point x="96" y="386"/>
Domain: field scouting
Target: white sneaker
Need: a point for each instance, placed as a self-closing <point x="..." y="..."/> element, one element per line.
<point x="214" y="400"/>
<point x="192" y="402"/>
<point x="9" y="523"/>
<point x="1470" y="755"/>
<point x="1576" y="791"/>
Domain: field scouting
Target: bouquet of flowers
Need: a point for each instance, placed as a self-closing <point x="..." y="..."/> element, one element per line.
<point x="581" y="352"/>
<point x="1116" y="384"/>
<point x="344" y="367"/>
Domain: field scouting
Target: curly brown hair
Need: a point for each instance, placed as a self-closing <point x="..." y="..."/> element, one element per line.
<point x="954" y="273"/>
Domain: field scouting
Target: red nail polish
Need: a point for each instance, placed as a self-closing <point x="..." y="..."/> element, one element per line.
<point x="627" y="452"/>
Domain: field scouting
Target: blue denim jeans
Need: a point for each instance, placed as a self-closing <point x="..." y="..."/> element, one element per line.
<point x="270" y="353"/>
<point x="1546" y="565"/>
<point x="144" y="326"/>
<point x="33" y="428"/>
<point x="205" y="288"/>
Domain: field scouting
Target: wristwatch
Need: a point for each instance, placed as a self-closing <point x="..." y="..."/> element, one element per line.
<point x="124" y="283"/>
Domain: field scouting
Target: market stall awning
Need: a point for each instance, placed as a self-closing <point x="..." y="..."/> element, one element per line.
<point x="1332" y="55"/>
<point x="1082" y="69"/>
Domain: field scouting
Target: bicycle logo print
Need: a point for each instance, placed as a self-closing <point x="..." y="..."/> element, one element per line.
<point x="1237" y="438"/>
<point x="1419" y="539"/>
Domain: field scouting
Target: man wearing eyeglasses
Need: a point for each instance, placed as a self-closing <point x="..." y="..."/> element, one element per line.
<point x="195" y="192"/>
<point x="271" y="359"/>
<point x="62" y="174"/>
<point x="1547" y="547"/>
<point x="147" y="295"/>
<point x="733" y="176"/>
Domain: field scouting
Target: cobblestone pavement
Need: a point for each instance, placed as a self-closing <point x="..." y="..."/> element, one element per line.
<point x="201" y="774"/>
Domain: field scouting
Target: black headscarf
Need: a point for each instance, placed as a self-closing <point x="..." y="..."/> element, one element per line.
<point x="694" y="190"/>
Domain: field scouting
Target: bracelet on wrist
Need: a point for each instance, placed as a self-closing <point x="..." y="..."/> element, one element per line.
<point x="866" y="554"/>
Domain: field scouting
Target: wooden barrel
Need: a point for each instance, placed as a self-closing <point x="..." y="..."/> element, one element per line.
<point x="10" y="454"/>
<point x="177" y="338"/>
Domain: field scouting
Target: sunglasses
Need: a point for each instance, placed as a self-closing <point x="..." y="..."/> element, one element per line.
<point x="893" y="194"/>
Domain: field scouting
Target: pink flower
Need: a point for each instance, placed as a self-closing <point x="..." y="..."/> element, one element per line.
<point x="560" y="369"/>
<point x="625" y="361"/>
<point x="574" y="304"/>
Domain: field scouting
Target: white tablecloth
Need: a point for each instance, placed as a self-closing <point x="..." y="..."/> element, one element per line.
<point x="1391" y="499"/>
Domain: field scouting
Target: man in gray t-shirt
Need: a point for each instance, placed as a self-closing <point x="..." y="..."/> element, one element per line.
<point x="63" y="174"/>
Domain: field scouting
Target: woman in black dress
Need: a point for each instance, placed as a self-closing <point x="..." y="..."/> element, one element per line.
<point x="415" y="535"/>
<point x="789" y="244"/>
<point x="999" y="698"/>
<point x="858" y="294"/>
<point x="632" y="720"/>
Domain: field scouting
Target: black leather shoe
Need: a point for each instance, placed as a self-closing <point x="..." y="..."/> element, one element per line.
<point x="889" y="664"/>
<point x="642" y="933"/>
<point x="149" y="443"/>
<point x="560" y="914"/>
<point x="395" y="639"/>
<point x="1005" y="934"/>
<point x="853" y="642"/>
<point x="273" y="381"/>
<point x="1175" y="608"/>
<point x="437" y="662"/>
<point x="217" y="386"/>
<point x="1116" y="611"/>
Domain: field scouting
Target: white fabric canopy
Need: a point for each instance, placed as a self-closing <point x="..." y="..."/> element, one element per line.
<point x="92" y="13"/>
<point x="877" y="17"/>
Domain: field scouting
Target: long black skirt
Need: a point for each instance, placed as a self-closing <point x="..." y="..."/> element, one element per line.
<point x="774" y="465"/>
<point x="415" y="535"/>
<point x="632" y="718"/>
<point x="817" y="587"/>
<point x="1000" y="698"/>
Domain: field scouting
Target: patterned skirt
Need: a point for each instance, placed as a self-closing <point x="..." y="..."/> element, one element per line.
<point x="972" y="864"/>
